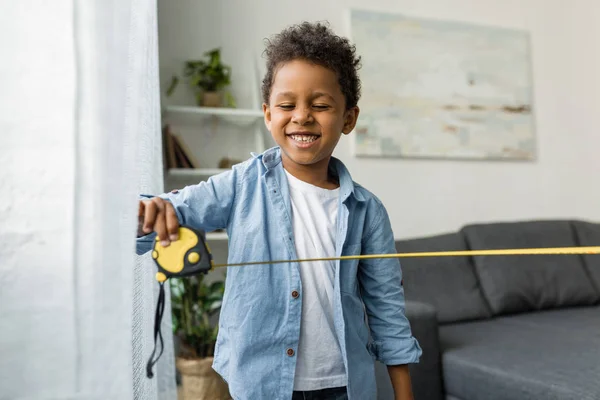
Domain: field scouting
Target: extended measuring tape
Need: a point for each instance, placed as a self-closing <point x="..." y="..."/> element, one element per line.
<point x="190" y="255"/>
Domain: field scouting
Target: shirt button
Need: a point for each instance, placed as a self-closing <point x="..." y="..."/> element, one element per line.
<point x="295" y="294"/>
<point x="290" y="352"/>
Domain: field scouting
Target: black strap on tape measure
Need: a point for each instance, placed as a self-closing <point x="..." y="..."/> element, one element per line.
<point x="160" y="310"/>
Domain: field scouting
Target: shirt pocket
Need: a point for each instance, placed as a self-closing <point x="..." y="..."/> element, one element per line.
<point x="349" y="269"/>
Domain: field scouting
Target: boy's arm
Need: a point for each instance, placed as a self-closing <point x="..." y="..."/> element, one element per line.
<point x="400" y="377"/>
<point x="205" y="206"/>
<point x="383" y="295"/>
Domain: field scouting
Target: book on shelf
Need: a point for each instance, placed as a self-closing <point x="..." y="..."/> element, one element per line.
<point x="186" y="151"/>
<point x="176" y="153"/>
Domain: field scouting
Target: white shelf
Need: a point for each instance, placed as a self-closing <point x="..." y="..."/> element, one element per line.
<point x="217" y="111"/>
<point x="194" y="172"/>
<point x="217" y="236"/>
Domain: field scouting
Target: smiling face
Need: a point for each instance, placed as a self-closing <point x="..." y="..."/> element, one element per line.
<point x="306" y="116"/>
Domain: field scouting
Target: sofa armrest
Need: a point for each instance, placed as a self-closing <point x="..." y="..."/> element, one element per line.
<point x="426" y="376"/>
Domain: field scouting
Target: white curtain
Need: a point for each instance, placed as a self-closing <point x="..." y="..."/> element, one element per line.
<point x="80" y="129"/>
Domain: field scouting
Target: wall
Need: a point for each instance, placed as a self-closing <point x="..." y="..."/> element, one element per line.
<point x="431" y="196"/>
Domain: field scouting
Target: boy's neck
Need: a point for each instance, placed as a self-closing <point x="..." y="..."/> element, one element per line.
<point x="315" y="174"/>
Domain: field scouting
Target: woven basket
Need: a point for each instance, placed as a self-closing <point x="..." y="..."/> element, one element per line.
<point x="199" y="381"/>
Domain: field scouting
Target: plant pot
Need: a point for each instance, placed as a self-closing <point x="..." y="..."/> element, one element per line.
<point x="211" y="99"/>
<point x="199" y="381"/>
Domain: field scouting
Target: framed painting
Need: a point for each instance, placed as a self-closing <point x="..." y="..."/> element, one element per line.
<point x="441" y="89"/>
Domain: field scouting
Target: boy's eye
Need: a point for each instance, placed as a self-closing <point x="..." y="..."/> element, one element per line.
<point x="286" y="106"/>
<point x="321" y="106"/>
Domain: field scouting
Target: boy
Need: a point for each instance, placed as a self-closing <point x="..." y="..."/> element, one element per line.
<point x="299" y="330"/>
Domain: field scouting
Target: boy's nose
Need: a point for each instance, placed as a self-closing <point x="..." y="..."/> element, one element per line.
<point x="301" y="116"/>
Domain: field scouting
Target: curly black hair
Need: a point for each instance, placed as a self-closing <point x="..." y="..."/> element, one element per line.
<point x="314" y="42"/>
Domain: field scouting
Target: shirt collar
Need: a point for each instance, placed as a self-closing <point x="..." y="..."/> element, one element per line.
<point x="272" y="158"/>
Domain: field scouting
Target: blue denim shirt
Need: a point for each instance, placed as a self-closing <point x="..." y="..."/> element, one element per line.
<point x="259" y="324"/>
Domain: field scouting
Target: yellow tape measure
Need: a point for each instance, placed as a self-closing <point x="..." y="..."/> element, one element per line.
<point x="190" y="255"/>
<point x="463" y="253"/>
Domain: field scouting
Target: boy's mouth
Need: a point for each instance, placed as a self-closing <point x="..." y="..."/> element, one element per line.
<point x="303" y="138"/>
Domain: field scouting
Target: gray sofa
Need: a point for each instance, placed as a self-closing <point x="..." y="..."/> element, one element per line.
<point x="504" y="327"/>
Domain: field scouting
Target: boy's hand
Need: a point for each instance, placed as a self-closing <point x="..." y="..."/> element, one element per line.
<point x="158" y="215"/>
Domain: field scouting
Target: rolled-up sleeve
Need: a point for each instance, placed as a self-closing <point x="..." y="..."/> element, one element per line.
<point x="205" y="206"/>
<point x="383" y="295"/>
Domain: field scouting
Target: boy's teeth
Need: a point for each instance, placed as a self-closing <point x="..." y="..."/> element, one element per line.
<point x="304" y="138"/>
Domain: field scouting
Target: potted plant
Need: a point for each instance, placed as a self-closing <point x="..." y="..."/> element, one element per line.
<point x="207" y="78"/>
<point x="194" y="306"/>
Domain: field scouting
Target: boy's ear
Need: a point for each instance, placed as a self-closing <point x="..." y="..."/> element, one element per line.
<point x="267" y="113"/>
<point x="350" y="118"/>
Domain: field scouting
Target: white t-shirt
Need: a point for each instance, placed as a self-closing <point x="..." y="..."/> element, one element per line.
<point x="319" y="363"/>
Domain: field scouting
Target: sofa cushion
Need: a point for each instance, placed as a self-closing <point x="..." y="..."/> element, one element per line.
<point x="588" y="234"/>
<point x="543" y="355"/>
<point x="513" y="284"/>
<point x="448" y="284"/>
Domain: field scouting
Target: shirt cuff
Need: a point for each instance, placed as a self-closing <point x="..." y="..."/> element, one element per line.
<point x="397" y="351"/>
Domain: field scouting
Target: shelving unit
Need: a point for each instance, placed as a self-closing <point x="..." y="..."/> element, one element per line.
<point x="246" y="119"/>
<point x="196" y="172"/>
<point x="211" y="132"/>
<point x="217" y="111"/>
<point x="216" y="236"/>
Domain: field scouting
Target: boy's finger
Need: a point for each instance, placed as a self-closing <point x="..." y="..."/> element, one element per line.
<point x="160" y="225"/>
<point x="141" y="211"/>
<point x="172" y="221"/>
<point x="150" y="211"/>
